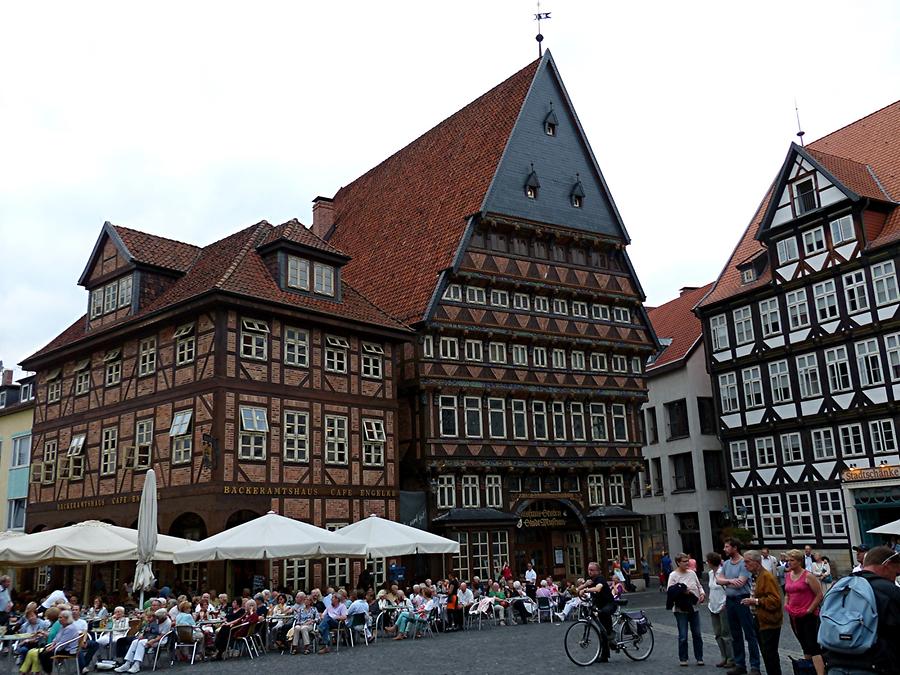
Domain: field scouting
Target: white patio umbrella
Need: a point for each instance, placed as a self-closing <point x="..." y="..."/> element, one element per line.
<point x="270" y="537"/>
<point x="147" y="536"/>
<point x="385" y="538"/>
<point x="890" y="528"/>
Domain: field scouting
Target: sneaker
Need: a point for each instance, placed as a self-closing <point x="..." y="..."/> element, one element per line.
<point x="737" y="670"/>
<point x="682" y="663"/>
<point x="123" y="668"/>
<point x="724" y="664"/>
<point x="560" y="616"/>
<point x="324" y="650"/>
<point x="700" y="662"/>
<point x="135" y="667"/>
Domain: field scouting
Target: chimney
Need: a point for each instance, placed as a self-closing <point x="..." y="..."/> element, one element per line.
<point x="7" y="377"/>
<point x="323" y="216"/>
<point x="687" y="289"/>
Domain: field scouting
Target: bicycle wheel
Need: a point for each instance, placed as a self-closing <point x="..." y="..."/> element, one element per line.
<point x="636" y="645"/>
<point x="583" y="643"/>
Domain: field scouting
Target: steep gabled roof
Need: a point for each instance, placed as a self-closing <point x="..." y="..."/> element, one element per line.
<point x="865" y="157"/>
<point x="403" y="220"/>
<point x="150" y="249"/>
<point x="234" y="266"/>
<point x="295" y="232"/>
<point x="676" y="321"/>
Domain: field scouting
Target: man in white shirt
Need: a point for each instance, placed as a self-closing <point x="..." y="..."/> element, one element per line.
<point x="808" y="558"/>
<point x="80" y="623"/>
<point x="861" y="551"/>
<point x="530" y="581"/>
<point x="53" y="598"/>
<point x="465" y="597"/>
<point x="769" y="562"/>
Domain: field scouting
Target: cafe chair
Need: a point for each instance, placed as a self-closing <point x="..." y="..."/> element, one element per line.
<point x="184" y="639"/>
<point x="63" y="662"/>
<point x="545" y="610"/>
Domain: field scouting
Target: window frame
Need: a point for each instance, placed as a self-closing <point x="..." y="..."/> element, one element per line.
<point x="254" y="339"/>
<point x="856" y="293"/>
<point x="818" y="243"/>
<point x="295" y="437"/>
<point x="337" y="440"/>
<point x="295" y="347"/>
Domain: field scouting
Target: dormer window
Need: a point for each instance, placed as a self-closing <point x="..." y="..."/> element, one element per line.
<point x="111" y="296"/>
<point x="747" y="276"/>
<point x="298" y="273"/>
<point x="577" y="194"/>
<point x="804" y="196"/>
<point x="551" y="123"/>
<point x="324" y="279"/>
<point x="532" y="184"/>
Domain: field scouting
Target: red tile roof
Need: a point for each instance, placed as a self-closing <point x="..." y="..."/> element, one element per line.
<point x="865" y="156"/>
<point x="157" y="251"/>
<point x="676" y="321"/>
<point x="414" y="205"/>
<point x="233" y="265"/>
<point x="296" y="232"/>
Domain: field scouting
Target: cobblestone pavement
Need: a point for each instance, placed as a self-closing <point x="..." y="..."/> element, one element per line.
<point x="515" y="649"/>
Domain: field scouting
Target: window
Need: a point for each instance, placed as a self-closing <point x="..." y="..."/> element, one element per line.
<point x="125" y="291"/>
<point x="447" y="415"/>
<point x="372" y="358"/>
<point x="769" y="317"/>
<point x="471" y="493"/>
<point x="884" y="279"/>
<point x="801" y="514"/>
<point x="54" y="385"/>
<point x="496" y="417"/>
<point x="497" y="352"/>
<point x="296" y="347"/>
<point x="637" y="366"/>
<point x="96" y="303"/>
<point x="892" y="346"/>
<point x="73" y="465"/>
<point x="838" y="369"/>
<point x="499" y="548"/>
<point x="541" y="304"/>
<point x="652" y="428"/>
<point x="185" y="344"/>
<point x="539" y="357"/>
<point x="771" y="516"/>
<point x="657" y="475"/>
<point x="598" y="362"/>
<point x="743" y="508"/>
<point x="728" y="392"/>
<point x="337" y="570"/>
<point x="780" y="381"/>
<point x="521" y="301"/>
<point x="27" y="392"/>
<point x="823" y="444"/>
<point x="707" y="413"/>
<point x="453" y="293"/>
<point x="798" y="313"/>
<point x="298" y="273"/>
<point x="142" y="454"/>
<point x="110" y="300"/>
<point x="842" y="230"/>
<point x="718" y="329"/>
<point x="374" y="440"/>
<point x="180" y="432"/>
<point x="558" y="409"/>
<point x="82" y="377"/>
<point x="620" y="425"/>
<point x="576" y="413"/>
<point x="619" y="543"/>
<point x="427" y="347"/>
<point x="743" y="325"/>
<point x="514" y="483"/>
<point x="474" y="350"/>
<point x="851" y="440"/>
<point x="622" y="314"/>
<point x="559" y="358"/>
<point x="446" y="492"/>
<point x="449" y="348"/>
<point x="855" y="291"/>
<point x="254" y="427"/>
<point x="740" y="456"/>
<point x="48" y="468"/>
<point x="765" y="451"/>
<point x="831" y="513"/>
<point x="472" y="413"/>
<point x="791" y="448"/>
<point x="577" y="360"/>
<point x="16" y="518"/>
<point x="519" y="419"/>
<point x="323" y="278"/>
<point x="598" y="422"/>
<point x="481" y="553"/>
<point x="476" y="295"/>
<point x="683" y="471"/>
<point x="883" y="439"/>
<point x="714" y="468"/>
<point x="461" y="559"/>
<point x="335" y="439"/>
<point x="336" y="349"/>
<point x="108" y="451"/>
<point x="147" y="356"/>
<point x="596" y="494"/>
<point x="519" y="355"/>
<point x="826" y="300"/>
<point x="21" y="454"/>
<point x="296" y="574"/>
<point x="560" y="306"/>
<point x="868" y="360"/>
<point x="296" y="436"/>
<point x="748" y="275"/>
<point x="600" y="312"/>
<point x="254" y="339"/>
<point x="814" y="241"/>
<point x="808" y="375"/>
<point x="539" y="420"/>
<point x="804" y="196"/>
<point x="753" y="395"/>
<point x="113" y="372"/>
<point x="677" y="419"/>
<point x="493" y="491"/>
<point x="787" y="250"/>
<point x="579" y="309"/>
<point x="500" y="298"/>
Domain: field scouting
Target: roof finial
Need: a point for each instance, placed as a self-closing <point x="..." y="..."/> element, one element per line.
<point x="800" y="132"/>
<point x="539" y="16"/>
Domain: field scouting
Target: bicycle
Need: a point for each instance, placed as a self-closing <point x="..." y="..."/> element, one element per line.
<point x="632" y="635"/>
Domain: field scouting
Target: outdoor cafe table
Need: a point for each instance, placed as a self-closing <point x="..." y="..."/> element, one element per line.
<point x="392" y="610"/>
<point x="7" y="642"/>
<point x="272" y="621"/>
<point x="100" y="631"/>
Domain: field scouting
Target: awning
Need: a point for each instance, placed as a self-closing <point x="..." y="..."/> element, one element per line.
<point x="613" y="513"/>
<point x="485" y="515"/>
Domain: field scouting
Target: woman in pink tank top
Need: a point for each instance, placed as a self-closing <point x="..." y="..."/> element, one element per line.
<point x="804" y="595"/>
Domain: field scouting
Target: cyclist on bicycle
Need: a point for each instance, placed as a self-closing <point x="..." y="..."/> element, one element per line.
<point x="603" y="604"/>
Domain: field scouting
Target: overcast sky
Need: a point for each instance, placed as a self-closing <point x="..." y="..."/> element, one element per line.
<point x="192" y="120"/>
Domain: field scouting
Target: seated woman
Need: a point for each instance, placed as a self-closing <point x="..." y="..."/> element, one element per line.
<point x="306" y="618"/>
<point x="401" y="605"/>
<point x="36" y="630"/>
<point x="185" y="618"/>
<point x="118" y="623"/>
<point x="521" y="603"/>
<point x="411" y="618"/>
<point x="251" y="617"/>
<point x="232" y="617"/>
<point x="498" y="596"/>
<point x="96" y="612"/>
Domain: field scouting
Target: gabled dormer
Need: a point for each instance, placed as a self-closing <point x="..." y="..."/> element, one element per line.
<point x="303" y="263"/>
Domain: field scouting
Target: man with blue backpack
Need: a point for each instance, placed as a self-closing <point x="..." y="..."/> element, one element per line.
<point x="859" y="628"/>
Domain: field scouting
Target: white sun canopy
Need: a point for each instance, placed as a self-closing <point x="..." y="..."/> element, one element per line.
<point x="90" y="541"/>
<point x="385" y="538"/>
<point x="890" y="529"/>
<point x="271" y="537"/>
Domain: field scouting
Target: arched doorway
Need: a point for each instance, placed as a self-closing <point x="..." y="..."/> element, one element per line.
<point x="552" y="533"/>
<point x="243" y="575"/>
<point x="188" y="526"/>
<point x="241" y="517"/>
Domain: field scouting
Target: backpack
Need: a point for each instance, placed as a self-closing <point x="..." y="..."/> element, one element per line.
<point x="849" y="617"/>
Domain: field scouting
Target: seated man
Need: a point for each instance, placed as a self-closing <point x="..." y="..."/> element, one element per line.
<point x="464" y="601"/>
<point x="359" y="606"/>
<point x="500" y="604"/>
<point x="335" y="615"/>
<point x="65" y="642"/>
<point x="153" y="637"/>
<point x="543" y="590"/>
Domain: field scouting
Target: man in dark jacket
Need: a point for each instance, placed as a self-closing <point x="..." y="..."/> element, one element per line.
<point x="881" y="567"/>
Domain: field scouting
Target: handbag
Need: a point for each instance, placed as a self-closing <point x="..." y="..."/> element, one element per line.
<point x="802" y="666"/>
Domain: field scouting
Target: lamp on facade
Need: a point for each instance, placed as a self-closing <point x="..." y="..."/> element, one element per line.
<point x="726" y="513"/>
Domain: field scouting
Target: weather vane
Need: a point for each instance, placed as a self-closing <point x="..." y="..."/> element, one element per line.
<point x="539" y="16"/>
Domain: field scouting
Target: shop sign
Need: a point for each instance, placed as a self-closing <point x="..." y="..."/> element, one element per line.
<point x="886" y="472"/>
<point x="97" y="503"/>
<point x="542" y="518"/>
<point x="299" y="491"/>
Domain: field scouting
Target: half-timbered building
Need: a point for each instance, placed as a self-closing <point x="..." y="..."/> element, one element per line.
<point x="803" y="342"/>
<point x="249" y="374"/>
<point x="494" y="234"/>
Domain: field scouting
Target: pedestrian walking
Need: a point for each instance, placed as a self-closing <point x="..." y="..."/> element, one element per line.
<point x="683" y="594"/>
<point x="716" y="606"/>
<point x="645" y="570"/>
<point x="736" y="580"/>
<point x="765" y="604"/>
<point x="803" y="595"/>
